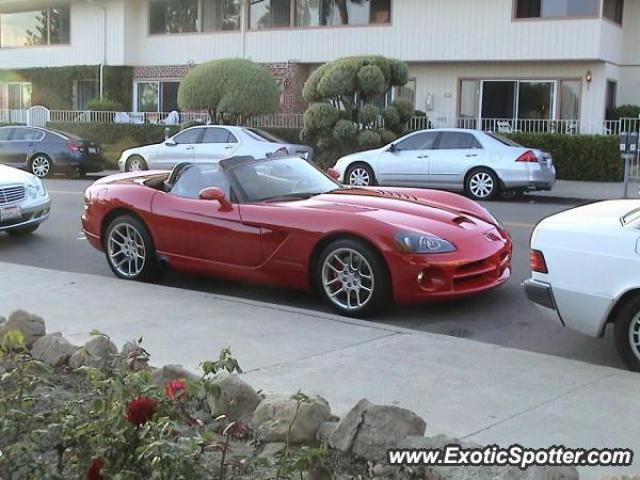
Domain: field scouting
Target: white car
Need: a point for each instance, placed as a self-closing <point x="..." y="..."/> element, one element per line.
<point x="24" y="201"/>
<point x="585" y="266"/>
<point x="206" y="143"/>
<point x="480" y="163"/>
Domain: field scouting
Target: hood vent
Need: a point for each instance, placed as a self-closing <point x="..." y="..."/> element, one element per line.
<point x="464" y="222"/>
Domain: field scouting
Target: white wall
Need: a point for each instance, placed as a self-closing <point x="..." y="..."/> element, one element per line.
<point x="629" y="86"/>
<point x="86" y="47"/>
<point x="421" y="30"/>
<point x="442" y="80"/>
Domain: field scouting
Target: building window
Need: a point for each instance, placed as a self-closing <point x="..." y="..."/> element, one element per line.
<point x="611" y="99"/>
<point x="87" y="91"/>
<point x="49" y="26"/>
<point x="557" y="8"/>
<point x="157" y="96"/>
<point x="341" y="12"/>
<point x="570" y="99"/>
<point x="613" y="10"/>
<point x="220" y="15"/>
<point x="18" y="96"/>
<point x="269" y="14"/>
<point x="173" y="16"/>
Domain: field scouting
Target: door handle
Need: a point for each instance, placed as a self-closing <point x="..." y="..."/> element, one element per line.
<point x="189" y="148"/>
<point x="422" y="156"/>
<point x="228" y="147"/>
<point x="469" y="155"/>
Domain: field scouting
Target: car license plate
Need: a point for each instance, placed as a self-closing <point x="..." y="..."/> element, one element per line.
<point x="93" y="150"/>
<point x="7" y="214"/>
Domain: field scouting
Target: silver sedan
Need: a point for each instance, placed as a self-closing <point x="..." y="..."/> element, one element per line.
<point x="481" y="164"/>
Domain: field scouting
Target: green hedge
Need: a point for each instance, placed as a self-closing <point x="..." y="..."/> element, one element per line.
<point x="579" y="157"/>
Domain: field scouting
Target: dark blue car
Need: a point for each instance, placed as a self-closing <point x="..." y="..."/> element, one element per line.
<point x="43" y="151"/>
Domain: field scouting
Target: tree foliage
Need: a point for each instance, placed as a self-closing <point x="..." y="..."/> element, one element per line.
<point x="344" y="96"/>
<point x="231" y="90"/>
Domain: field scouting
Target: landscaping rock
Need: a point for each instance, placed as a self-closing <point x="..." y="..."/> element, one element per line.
<point x="275" y="414"/>
<point x="133" y="358"/>
<point x="325" y="431"/>
<point x="171" y="372"/>
<point x="99" y="352"/>
<point x="237" y="399"/>
<point x="369" y="430"/>
<point x="31" y="326"/>
<point x="270" y="450"/>
<point x="346" y="430"/>
<point x="53" y="349"/>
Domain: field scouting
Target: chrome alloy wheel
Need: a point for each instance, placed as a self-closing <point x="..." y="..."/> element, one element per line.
<point x="135" y="165"/>
<point x="126" y="250"/>
<point x="347" y="279"/>
<point x="634" y="335"/>
<point x="481" y="184"/>
<point x="359" y="177"/>
<point x="40" y="166"/>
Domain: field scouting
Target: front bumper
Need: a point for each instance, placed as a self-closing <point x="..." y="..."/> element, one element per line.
<point x="541" y="294"/>
<point x="32" y="215"/>
<point x="478" y="265"/>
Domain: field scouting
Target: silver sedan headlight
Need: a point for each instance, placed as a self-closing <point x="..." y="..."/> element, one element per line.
<point x="409" y="242"/>
<point x="36" y="189"/>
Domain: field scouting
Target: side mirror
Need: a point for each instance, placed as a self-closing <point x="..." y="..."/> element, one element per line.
<point x="215" y="194"/>
<point x="392" y="148"/>
<point x="169" y="142"/>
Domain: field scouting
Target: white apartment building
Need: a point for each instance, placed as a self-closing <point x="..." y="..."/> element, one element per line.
<point x="468" y="59"/>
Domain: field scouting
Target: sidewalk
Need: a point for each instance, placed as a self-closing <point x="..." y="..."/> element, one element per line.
<point x="480" y="392"/>
<point x="569" y="189"/>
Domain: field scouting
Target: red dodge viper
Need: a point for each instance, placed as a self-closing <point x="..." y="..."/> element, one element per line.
<point x="281" y="221"/>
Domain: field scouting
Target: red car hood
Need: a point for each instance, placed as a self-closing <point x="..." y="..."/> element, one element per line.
<point x="400" y="210"/>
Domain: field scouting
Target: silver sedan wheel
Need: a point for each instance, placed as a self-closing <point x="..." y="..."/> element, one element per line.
<point x="347" y="279"/>
<point x="136" y="165"/>
<point x="481" y="184"/>
<point x="634" y="335"/>
<point x="359" y="177"/>
<point x="40" y="166"/>
<point x="126" y="250"/>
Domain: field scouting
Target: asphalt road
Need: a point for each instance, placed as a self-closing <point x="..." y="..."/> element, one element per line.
<point x="503" y="316"/>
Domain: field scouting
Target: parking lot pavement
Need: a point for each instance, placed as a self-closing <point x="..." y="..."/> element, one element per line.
<point x="475" y="391"/>
<point x="502" y="317"/>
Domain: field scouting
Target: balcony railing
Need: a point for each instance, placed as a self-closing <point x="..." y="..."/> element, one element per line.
<point x="40" y="116"/>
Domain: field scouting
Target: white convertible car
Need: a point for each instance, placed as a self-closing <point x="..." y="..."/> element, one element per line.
<point x="585" y="266"/>
<point x="24" y="202"/>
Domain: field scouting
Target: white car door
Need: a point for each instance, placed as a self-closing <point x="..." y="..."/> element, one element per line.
<point x="217" y="143"/>
<point x="455" y="154"/>
<point x="179" y="148"/>
<point x="406" y="163"/>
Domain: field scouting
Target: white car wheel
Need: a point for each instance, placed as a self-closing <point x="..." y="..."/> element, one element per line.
<point x="41" y="166"/>
<point x="360" y="176"/>
<point x="627" y="332"/>
<point x="136" y="164"/>
<point x="481" y="185"/>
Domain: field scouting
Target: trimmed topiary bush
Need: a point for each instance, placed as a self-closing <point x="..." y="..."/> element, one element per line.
<point x="104" y="105"/>
<point x="343" y="115"/>
<point x="231" y="90"/>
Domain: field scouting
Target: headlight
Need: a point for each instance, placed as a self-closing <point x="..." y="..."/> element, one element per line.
<point x="496" y="222"/>
<point x="31" y="191"/>
<point x="408" y="242"/>
<point x="38" y="187"/>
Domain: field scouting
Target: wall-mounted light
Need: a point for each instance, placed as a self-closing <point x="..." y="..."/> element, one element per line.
<point x="286" y="83"/>
<point x="588" y="77"/>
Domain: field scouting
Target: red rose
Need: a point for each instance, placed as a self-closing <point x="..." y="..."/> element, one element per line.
<point x="140" y="410"/>
<point x="176" y="390"/>
<point x="95" y="469"/>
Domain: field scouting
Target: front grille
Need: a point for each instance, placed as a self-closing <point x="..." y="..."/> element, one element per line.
<point x="10" y="195"/>
<point x="475" y="274"/>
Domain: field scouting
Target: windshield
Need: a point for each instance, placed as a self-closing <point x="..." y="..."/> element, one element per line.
<point x="503" y="140"/>
<point x="263" y="136"/>
<point x="281" y="179"/>
<point x="631" y="217"/>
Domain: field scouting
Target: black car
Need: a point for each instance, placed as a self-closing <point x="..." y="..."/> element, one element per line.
<point x="43" y="151"/>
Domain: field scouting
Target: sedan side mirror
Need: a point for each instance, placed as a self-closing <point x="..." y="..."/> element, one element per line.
<point x="392" y="148"/>
<point x="169" y="142"/>
<point x="215" y="194"/>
